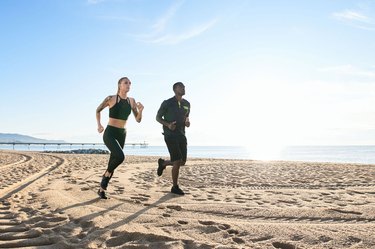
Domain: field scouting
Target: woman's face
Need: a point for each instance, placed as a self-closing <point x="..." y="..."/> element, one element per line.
<point x="125" y="85"/>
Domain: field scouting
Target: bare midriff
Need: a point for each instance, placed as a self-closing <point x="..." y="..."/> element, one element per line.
<point x="119" y="123"/>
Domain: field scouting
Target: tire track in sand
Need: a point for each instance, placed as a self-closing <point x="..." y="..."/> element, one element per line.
<point x="26" y="172"/>
<point x="11" y="159"/>
<point x="21" y="225"/>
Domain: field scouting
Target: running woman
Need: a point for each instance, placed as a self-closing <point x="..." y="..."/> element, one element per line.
<point x="120" y="107"/>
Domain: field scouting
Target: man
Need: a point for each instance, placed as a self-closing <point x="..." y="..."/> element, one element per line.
<point x="173" y="114"/>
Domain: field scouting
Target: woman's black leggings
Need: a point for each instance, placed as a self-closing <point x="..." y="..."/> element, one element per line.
<point x="114" y="139"/>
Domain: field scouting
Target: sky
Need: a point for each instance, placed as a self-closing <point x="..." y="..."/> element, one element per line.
<point x="261" y="74"/>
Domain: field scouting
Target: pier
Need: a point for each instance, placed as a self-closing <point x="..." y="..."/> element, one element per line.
<point x="58" y="145"/>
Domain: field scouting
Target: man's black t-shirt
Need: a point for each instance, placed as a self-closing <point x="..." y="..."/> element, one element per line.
<point x="174" y="110"/>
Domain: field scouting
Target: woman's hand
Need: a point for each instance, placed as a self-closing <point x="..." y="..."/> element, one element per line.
<point x="140" y="107"/>
<point x="100" y="128"/>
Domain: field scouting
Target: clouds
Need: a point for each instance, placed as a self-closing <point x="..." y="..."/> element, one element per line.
<point x="163" y="31"/>
<point x="350" y="15"/>
<point x="95" y="1"/>
<point x="350" y="70"/>
<point x="174" y="38"/>
<point x="355" y="18"/>
<point x="162" y="24"/>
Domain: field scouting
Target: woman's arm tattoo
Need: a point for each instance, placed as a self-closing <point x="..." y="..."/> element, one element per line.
<point x="104" y="104"/>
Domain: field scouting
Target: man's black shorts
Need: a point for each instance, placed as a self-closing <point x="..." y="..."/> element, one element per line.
<point x="177" y="147"/>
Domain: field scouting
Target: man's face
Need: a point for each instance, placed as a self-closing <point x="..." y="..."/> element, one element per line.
<point x="180" y="89"/>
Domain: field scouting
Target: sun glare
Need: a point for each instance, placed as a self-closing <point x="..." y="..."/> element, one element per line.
<point x="265" y="151"/>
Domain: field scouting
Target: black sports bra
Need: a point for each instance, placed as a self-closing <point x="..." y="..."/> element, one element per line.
<point x="121" y="110"/>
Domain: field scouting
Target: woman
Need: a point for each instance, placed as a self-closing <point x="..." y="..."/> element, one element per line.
<point x="120" y="107"/>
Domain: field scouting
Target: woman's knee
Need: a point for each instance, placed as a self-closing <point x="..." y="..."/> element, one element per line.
<point x="120" y="157"/>
<point x="115" y="161"/>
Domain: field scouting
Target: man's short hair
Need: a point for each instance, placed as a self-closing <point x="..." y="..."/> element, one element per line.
<point x="177" y="84"/>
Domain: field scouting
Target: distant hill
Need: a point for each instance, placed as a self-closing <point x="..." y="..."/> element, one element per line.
<point x="18" y="138"/>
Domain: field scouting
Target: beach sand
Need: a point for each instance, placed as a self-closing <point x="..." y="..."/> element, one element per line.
<point x="50" y="201"/>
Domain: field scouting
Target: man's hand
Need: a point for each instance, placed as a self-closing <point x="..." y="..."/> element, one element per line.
<point x="172" y="126"/>
<point x="187" y="122"/>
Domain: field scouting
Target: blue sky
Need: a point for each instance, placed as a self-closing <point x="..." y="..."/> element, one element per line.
<point x="257" y="73"/>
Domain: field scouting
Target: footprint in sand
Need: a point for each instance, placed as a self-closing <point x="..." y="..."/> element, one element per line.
<point x="182" y="222"/>
<point x="224" y="226"/>
<point x="232" y="231"/>
<point x="281" y="245"/>
<point x="238" y="240"/>
<point x="210" y="229"/>
<point x="206" y="223"/>
<point x="120" y="189"/>
<point x="264" y="238"/>
<point x="175" y="207"/>
<point x="297" y="237"/>
<point x="213" y="227"/>
<point x="140" y="198"/>
<point x="324" y="239"/>
<point x="352" y="240"/>
<point x="201" y="199"/>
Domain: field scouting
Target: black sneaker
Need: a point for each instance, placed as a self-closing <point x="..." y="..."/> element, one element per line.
<point x="102" y="194"/>
<point x="104" y="182"/>
<point x="161" y="166"/>
<point x="176" y="190"/>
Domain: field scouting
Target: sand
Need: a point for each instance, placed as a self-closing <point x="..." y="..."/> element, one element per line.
<point x="50" y="201"/>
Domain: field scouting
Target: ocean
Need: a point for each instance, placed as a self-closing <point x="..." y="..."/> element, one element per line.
<point x="341" y="154"/>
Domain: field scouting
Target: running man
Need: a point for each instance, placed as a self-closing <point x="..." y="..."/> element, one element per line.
<point x="173" y="114"/>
